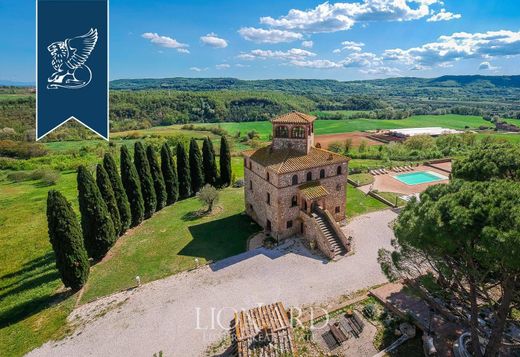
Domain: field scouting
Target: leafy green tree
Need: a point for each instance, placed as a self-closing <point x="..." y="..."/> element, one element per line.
<point x="209" y="196"/>
<point x="183" y="172"/>
<point x="105" y="187"/>
<point x="467" y="233"/>
<point x="197" y="178"/>
<point x="132" y="186"/>
<point x="225" y="162"/>
<point x="123" y="205"/>
<point x="157" y="177"/>
<point x="143" y="169"/>
<point x="67" y="241"/>
<point x="208" y="162"/>
<point x="169" y="172"/>
<point x="98" y="229"/>
<point x="487" y="162"/>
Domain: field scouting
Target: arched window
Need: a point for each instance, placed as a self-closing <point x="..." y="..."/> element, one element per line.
<point x="322" y="173"/>
<point x="281" y="132"/>
<point x="298" y="132"/>
<point x="294" y="201"/>
<point x="309" y="176"/>
<point x="338" y="170"/>
<point x="295" y="179"/>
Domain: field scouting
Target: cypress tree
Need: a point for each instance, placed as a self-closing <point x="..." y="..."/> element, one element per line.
<point x="169" y="172"/>
<point x="183" y="172"/>
<point x="132" y="186"/>
<point x="125" y="215"/>
<point x="197" y="178"/>
<point x="67" y="242"/>
<point x="225" y="162"/>
<point x="143" y="169"/>
<point x="157" y="177"/>
<point x="98" y="229"/>
<point x="105" y="187"/>
<point x="208" y="162"/>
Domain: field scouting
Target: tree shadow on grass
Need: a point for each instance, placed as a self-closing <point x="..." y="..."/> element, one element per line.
<point x="26" y="309"/>
<point x="34" y="264"/>
<point x="29" y="283"/>
<point x="223" y="242"/>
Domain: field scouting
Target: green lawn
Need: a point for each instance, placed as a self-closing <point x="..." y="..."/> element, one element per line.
<point x="360" y="203"/>
<point x="392" y="197"/>
<point x="341" y="126"/>
<point x="170" y="241"/>
<point x="362" y="179"/>
<point x="28" y="278"/>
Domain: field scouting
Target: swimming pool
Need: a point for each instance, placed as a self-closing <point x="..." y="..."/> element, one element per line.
<point x="416" y="178"/>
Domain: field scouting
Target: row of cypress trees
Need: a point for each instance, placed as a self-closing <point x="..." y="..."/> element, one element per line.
<point x="113" y="203"/>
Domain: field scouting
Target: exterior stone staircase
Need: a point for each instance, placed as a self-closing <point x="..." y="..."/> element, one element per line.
<point x="336" y="245"/>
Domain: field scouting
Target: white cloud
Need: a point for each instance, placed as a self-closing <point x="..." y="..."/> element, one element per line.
<point x="212" y="39"/>
<point x="384" y="70"/>
<point x="444" y="15"/>
<point x="352" y="46"/>
<point x="362" y="59"/>
<point x="307" y="44"/>
<point x="268" y="36"/>
<point x="241" y="65"/>
<point x="222" y="66"/>
<point x="458" y="46"/>
<point x="320" y="64"/>
<point x="486" y="66"/>
<point x="341" y="16"/>
<point x="165" y="41"/>
<point x="337" y="50"/>
<point x="292" y="54"/>
<point x="198" y="69"/>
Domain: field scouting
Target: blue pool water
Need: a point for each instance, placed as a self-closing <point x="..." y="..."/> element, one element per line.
<point x="416" y="178"/>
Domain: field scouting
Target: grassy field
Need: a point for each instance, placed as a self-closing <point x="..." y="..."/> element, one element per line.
<point x="170" y="241"/>
<point x="28" y="278"/>
<point x="341" y="126"/>
<point x="360" y="203"/>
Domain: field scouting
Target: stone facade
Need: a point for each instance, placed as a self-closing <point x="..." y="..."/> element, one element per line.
<point x="285" y="180"/>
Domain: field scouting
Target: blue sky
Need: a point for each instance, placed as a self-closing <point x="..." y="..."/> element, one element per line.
<point x="356" y="39"/>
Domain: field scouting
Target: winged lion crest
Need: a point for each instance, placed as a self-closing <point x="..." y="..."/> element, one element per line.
<point x="68" y="60"/>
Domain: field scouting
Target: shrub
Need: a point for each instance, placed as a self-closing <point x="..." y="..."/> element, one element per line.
<point x="370" y="311"/>
<point x="209" y="196"/>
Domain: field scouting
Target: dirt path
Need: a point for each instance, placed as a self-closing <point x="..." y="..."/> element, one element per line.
<point x="180" y="315"/>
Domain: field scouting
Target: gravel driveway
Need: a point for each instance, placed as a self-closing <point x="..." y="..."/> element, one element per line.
<point x="174" y="315"/>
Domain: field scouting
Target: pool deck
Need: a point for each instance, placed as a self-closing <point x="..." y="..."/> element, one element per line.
<point x="386" y="183"/>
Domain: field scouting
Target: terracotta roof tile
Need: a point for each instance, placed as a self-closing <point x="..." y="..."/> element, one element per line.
<point x="289" y="160"/>
<point x="294" y="117"/>
<point x="313" y="190"/>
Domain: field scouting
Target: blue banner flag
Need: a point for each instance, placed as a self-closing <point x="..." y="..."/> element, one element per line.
<point x="72" y="65"/>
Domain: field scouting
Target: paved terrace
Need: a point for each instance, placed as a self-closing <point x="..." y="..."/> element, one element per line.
<point x="162" y="315"/>
<point x="386" y="183"/>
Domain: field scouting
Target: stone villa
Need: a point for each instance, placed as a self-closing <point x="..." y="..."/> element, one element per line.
<point x="294" y="188"/>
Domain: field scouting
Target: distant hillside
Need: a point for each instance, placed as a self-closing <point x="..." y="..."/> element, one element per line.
<point x="321" y="86"/>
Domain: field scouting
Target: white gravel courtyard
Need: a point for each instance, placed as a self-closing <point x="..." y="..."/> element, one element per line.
<point x="174" y="315"/>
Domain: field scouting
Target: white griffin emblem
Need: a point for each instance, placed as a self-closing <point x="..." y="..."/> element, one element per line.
<point x="68" y="61"/>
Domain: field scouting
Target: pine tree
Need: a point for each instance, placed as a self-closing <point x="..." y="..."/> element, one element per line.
<point x="169" y="172"/>
<point x="105" y="187"/>
<point x="157" y="177"/>
<point x="143" y="169"/>
<point x="132" y="186"/>
<point x="67" y="241"/>
<point x="123" y="206"/>
<point x="197" y="178"/>
<point x="98" y="229"/>
<point x="225" y="162"/>
<point x="183" y="172"/>
<point x="208" y="162"/>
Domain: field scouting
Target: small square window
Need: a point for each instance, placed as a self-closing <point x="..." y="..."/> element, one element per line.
<point x="337" y="209"/>
<point x="289" y="224"/>
<point x="338" y="187"/>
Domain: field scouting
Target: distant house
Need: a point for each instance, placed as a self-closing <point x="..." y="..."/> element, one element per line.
<point x="294" y="188"/>
<point x="263" y="331"/>
<point x="431" y="131"/>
